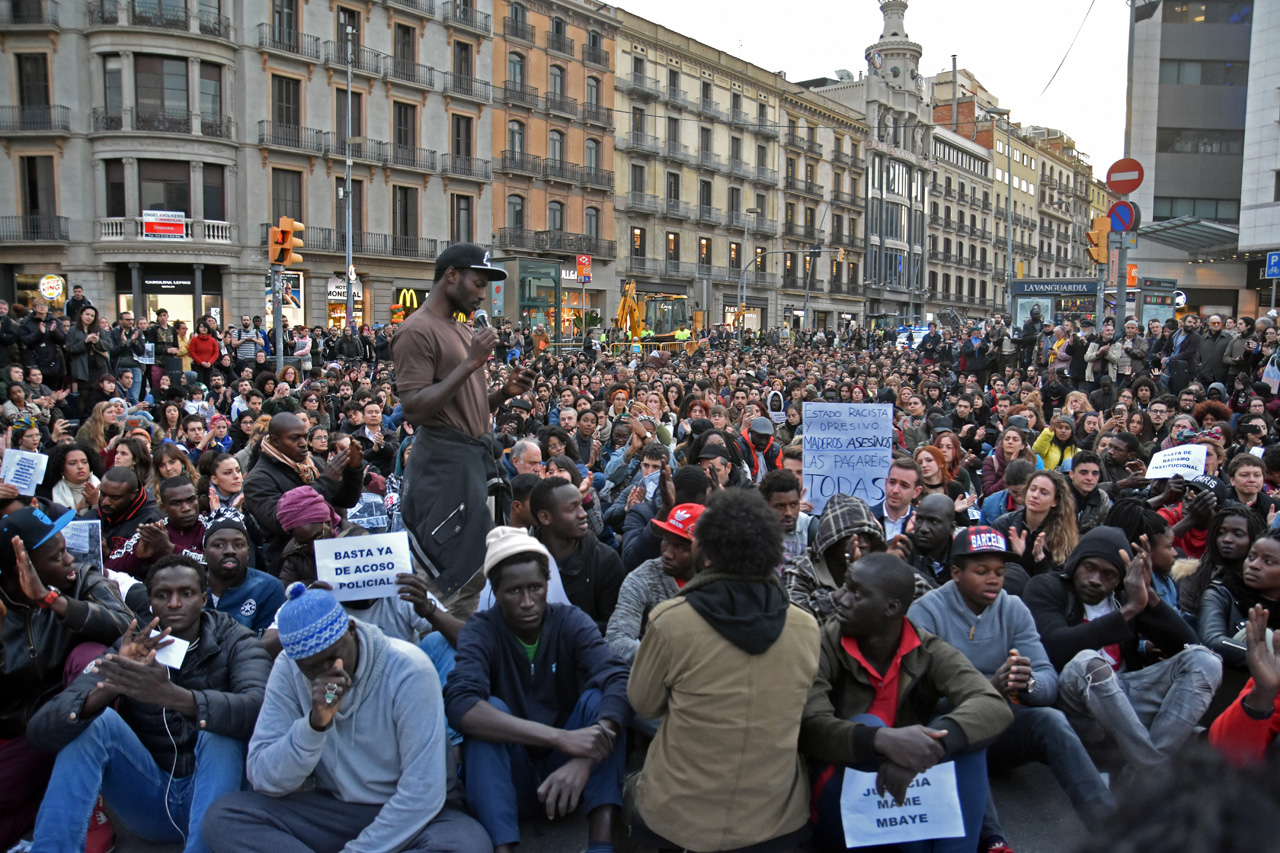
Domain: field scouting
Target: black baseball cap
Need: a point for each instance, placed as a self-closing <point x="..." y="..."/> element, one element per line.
<point x="1209" y="483"/>
<point x="714" y="451"/>
<point x="978" y="540"/>
<point x="35" y="526"/>
<point x="469" y="256"/>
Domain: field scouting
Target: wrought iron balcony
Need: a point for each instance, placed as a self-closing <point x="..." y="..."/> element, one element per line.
<point x="519" y="93"/>
<point x="162" y="121"/>
<point x="411" y="157"/>
<point x="741" y="169"/>
<point x="165" y="16"/>
<point x="29" y="13"/>
<point x="676" y="151"/>
<point x="287" y="41"/>
<point x="597" y="114"/>
<point x="641" y="142"/>
<point x="642" y="202"/>
<point x="709" y="160"/>
<point x="643" y="266"/>
<point x="597" y="177"/>
<point x="513" y="28"/>
<point x="426" y="8"/>
<point x="765" y="175"/>
<point x="363" y="59"/>
<point x="35" y="119"/>
<point x="460" y="14"/>
<point x="679" y="98"/>
<point x="791" y="139"/>
<point x="34" y="229"/>
<point x="676" y="209"/>
<point x="290" y="136"/>
<point x="709" y="215"/>
<point x="638" y="84"/>
<point x="561" y="170"/>
<point x="467" y="167"/>
<point x="562" y="104"/>
<point x="595" y="55"/>
<point x="213" y="24"/>
<point x="560" y="43"/>
<point x="711" y="109"/>
<point x="103" y="13"/>
<point x="518" y="162"/>
<point x="471" y="88"/>
<point x="219" y="127"/>
<point x="408" y="71"/>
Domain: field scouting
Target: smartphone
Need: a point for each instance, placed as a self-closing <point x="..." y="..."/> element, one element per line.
<point x="73" y="424"/>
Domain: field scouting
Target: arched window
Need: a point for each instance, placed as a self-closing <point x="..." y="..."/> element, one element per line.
<point x="593" y="91"/>
<point x="595" y="39"/>
<point x="591" y="222"/>
<point x="515" y="68"/>
<point x="555" y="146"/>
<point x="515" y="137"/>
<point x="592" y="154"/>
<point x="555" y="216"/>
<point x="556" y="80"/>
<point x="518" y="13"/>
<point x="515" y="211"/>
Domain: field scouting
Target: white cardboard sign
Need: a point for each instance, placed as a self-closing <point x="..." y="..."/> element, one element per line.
<point x="1187" y="460"/>
<point x="931" y="809"/>
<point x="848" y="448"/>
<point x="363" y="567"/>
<point x="23" y="469"/>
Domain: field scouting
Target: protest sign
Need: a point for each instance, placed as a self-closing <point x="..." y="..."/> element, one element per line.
<point x="84" y="542"/>
<point x="23" y="469"/>
<point x="362" y="567"/>
<point x="931" y="809"/>
<point x="172" y="654"/>
<point x="847" y="450"/>
<point x="370" y="513"/>
<point x="1187" y="460"/>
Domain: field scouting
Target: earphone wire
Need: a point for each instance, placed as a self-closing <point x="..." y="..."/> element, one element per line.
<point x="164" y="715"/>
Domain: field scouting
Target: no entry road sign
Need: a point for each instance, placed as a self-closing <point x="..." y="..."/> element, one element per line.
<point x="1125" y="176"/>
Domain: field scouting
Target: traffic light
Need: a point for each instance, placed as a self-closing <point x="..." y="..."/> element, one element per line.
<point x="284" y="240"/>
<point x="1098" y="239"/>
<point x="842" y="256"/>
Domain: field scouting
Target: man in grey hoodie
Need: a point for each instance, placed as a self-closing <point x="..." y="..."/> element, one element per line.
<point x="362" y="717"/>
<point x="995" y="631"/>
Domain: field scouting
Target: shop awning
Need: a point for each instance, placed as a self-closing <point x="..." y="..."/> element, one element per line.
<point x="1191" y="234"/>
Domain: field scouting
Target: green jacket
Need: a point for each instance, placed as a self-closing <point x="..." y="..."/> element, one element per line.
<point x="929" y="673"/>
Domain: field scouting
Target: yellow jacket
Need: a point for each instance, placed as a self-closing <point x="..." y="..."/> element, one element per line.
<point x="1051" y="452"/>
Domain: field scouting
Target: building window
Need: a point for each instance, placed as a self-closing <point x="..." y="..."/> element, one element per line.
<point x="638" y="182"/>
<point x="161" y="87"/>
<point x="515" y="69"/>
<point x="637" y="242"/>
<point x="357" y="206"/>
<point x="593" y="91"/>
<point x="462" y="53"/>
<point x="591" y="150"/>
<point x="348" y="19"/>
<point x="735" y="256"/>
<point x="164" y="185"/>
<point x="704" y="252"/>
<point x="404" y="212"/>
<point x="555" y="216"/>
<point x="555" y="146"/>
<point x="404" y="126"/>
<point x="114" y="174"/>
<point x="461" y="221"/>
<point x="357" y="112"/>
<point x="284" y="21"/>
<point x="515" y="212"/>
<point x="515" y="137"/>
<point x="1208" y="12"/>
<point x="518" y="13"/>
<point x="591" y="222"/>
<point x="1219" y="210"/>
<point x="33" y="80"/>
<point x="1199" y="141"/>
<point x="735" y="199"/>
<point x="673" y="246"/>
<point x="215" y="207"/>
<point x="38" y="198"/>
<point x="673" y="186"/>
<point x="210" y="91"/>
<point x="555" y="80"/>
<point x="286" y="193"/>
<point x="112" y="85"/>
<point x="286" y="107"/>
<point x="462" y="139"/>
<point x="404" y="47"/>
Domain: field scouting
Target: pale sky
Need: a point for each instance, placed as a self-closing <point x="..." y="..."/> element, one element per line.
<point x="1011" y="46"/>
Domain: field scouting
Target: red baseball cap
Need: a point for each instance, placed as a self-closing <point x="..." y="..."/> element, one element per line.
<point x="681" y="520"/>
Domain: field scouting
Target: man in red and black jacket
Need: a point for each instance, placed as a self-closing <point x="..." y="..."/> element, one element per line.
<point x="1246" y="731"/>
<point x="123" y="505"/>
<point x="760" y="449"/>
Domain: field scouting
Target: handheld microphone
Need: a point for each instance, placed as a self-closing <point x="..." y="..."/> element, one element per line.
<point x="481" y="317"/>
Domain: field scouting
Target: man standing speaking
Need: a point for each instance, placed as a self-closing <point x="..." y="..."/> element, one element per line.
<point x="439" y="363"/>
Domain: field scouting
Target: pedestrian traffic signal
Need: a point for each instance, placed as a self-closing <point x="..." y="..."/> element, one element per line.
<point x="284" y="239"/>
<point x="1098" y="239"/>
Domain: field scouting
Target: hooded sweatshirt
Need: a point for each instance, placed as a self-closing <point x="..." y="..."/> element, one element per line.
<point x="807" y="578"/>
<point x="386" y="745"/>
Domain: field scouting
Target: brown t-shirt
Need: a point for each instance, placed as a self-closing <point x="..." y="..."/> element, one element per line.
<point x="426" y="349"/>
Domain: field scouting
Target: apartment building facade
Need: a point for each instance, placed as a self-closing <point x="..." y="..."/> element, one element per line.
<point x="961" y="228"/>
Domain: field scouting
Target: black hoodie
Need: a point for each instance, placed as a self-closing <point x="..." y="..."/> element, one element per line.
<point x="749" y="612"/>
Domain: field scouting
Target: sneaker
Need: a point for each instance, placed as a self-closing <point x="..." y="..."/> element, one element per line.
<point x="23" y="846"/>
<point x="102" y="837"/>
<point x="995" y="844"/>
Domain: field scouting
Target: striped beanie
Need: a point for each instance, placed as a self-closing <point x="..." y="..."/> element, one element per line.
<point x="310" y="621"/>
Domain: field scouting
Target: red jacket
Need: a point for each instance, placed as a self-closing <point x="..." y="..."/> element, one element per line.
<point x="1241" y="738"/>
<point x="204" y="348"/>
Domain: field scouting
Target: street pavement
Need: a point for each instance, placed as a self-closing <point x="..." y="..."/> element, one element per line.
<point x="1036" y="814"/>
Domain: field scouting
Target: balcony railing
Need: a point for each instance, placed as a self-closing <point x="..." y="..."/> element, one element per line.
<point x="291" y="136"/>
<point x="597" y="177"/>
<point x="676" y="209"/>
<point x="643" y="266"/>
<point x="462" y="15"/>
<point x="791" y="139"/>
<point x="411" y="157"/>
<point x="560" y="43"/>
<point x="38" y="119"/>
<point x="558" y="103"/>
<point x="741" y="168"/>
<point x="561" y="170"/>
<point x="467" y="167"/>
<point x="220" y="127"/>
<point x="288" y="41"/>
<point x="335" y="145"/>
<point x="814" y="147"/>
<point x="709" y="215"/>
<point x="638" y="84"/>
<point x="642" y="202"/>
<point x="709" y="160"/>
<point x="679" y="97"/>
<point x="741" y="119"/>
<point x="162" y="121"/>
<point x="101" y="120"/>
<point x="513" y="28"/>
<point x="333" y="241"/>
<point x="796" y="231"/>
<point x="168" y="15"/>
<point x="463" y="86"/>
<point x="760" y="225"/>
<point x="764" y="127"/>
<point x="213" y="24"/>
<point x="29" y="13"/>
<point x="597" y="114"/>
<point x="517" y="162"/>
<point x="645" y="142"/>
<point x="426" y="8"/>
<point x="797" y="185"/>
<point x="363" y="59"/>
<point x="408" y="71"/>
<point x="561" y="242"/>
<point x="766" y="175"/>
<point x="676" y="151"/>
<point x="518" y="93"/>
<point x="680" y="269"/>
<point x="595" y="55"/>
<point x="711" y="109"/>
<point x="34" y="229"/>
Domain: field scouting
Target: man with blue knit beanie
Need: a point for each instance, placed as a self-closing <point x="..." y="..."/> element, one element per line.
<point x="361" y="716"/>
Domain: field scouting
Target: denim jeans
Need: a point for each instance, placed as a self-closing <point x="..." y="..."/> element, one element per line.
<point x="131" y="393"/>
<point x="108" y="757"/>
<point x="502" y="779"/>
<point x="971" y="784"/>
<point x="445" y="658"/>
<point x="1149" y="712"/>
<point x="1045" y="735"/>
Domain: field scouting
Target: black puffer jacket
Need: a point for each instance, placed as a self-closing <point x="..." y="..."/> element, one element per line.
<point x="269" y="480"/>
<point x="44" y="349"/>
<point x="37" y="642"/>
<point x="226" y="671"/>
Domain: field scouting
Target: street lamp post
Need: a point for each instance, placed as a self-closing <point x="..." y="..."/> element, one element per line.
<point x="742" y="284"/>
<point x="351" y="285"/>
<point x="1008" y="201"/>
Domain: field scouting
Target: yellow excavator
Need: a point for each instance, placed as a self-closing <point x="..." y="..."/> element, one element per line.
<point x="662" y="314"/>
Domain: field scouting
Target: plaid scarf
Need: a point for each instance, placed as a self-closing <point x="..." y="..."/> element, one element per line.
<point x="306" y="471"/>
